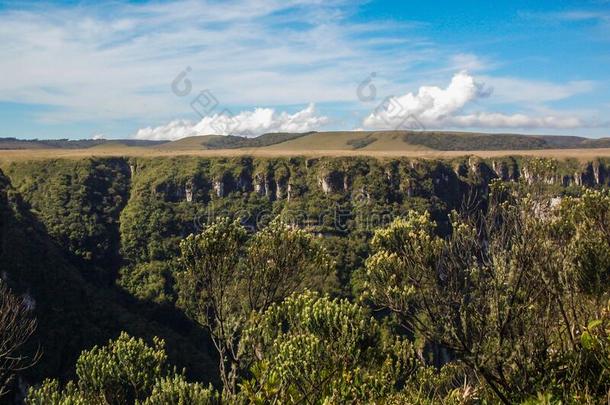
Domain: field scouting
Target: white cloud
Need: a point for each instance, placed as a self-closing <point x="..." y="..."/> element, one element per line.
<point x="97" y="137"/>
<point x="246" y="123"/>
<point x="429" y="104"/>
<point x="435" y="107"/>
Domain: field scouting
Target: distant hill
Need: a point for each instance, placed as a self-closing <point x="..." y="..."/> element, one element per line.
<point x="231" y="141"/>
<point x="394" y="141"/>
<point x="387" y="141"/>
<point x="435" y="140"/>
<point x="14" y="143"/>
<point x="477" y="141"/>
<point x="350" y="140"/>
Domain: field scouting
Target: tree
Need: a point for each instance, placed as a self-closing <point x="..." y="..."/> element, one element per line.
<point x="502" y="292"/>
<point x="226" y="279"/>
<point x="209" y="289"/>
<point x="278" y="260"/>
<point x="16" y="327"/>
<point x="176" y="390"/>
<point x="125" y="371"/>
<point x="312" y="349"/>
<point x="121" y="372"/>
<point x="583" y="225"/>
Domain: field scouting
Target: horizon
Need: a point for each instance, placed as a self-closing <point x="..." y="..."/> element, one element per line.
<point x="167" y="70"/>
<point x="103" y="139"/>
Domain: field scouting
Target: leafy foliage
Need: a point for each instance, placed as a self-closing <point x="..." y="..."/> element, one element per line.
<point x="501" y="292"/>
<point x="125" y="371"/>
<point x="314" y="349"/>
<point x="176" y="390"/>
<point x="222" y="283"/>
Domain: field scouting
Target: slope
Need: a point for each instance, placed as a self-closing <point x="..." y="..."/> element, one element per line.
<point x="210" y="142"/>
<point x="340" y="140"/>
<point x="74" y="313"/>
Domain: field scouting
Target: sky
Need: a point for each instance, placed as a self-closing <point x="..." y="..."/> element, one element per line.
<point x="166" y="70"/>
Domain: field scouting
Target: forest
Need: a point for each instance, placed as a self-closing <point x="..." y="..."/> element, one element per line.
<point x="191" y="280"/>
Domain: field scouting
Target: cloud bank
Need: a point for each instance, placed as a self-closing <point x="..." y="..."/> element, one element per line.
<point x="246" y="123"/>
<point x="434" y="107"/>
<point x="430" y="107"/>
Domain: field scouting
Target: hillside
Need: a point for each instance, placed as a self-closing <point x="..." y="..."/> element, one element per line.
<point x="374" y="141"/>
<point x="189" y="143"/>
<point x="472" y="141"/>
<point x="76" y="305"/>
<point x="215" y="142"/>
<point x="349" y="140"/>
<point x="386" y="141"/>
<point x="14" y="143"/>
<point x="435" y="140"/>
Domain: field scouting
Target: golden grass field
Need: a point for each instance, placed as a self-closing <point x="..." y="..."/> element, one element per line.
<point x="381" y="144"/>
<point x="276" y="151"/>
<point x="340" y="141"/>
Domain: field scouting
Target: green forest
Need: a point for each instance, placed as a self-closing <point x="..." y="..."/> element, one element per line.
<point x="190" y="280"/>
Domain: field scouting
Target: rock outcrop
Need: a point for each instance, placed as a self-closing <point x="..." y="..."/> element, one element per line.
<point x="260" y="184"/>
<point x="281" y="188"/>
<point x="219" y="187"/>
<point x="332" y="182"/>
<point x="188" y="191"/>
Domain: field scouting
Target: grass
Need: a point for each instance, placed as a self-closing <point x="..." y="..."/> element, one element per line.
<point x="288" y="149"/>
<point x="195" y="142"/>
<point x="348" y="141"/>
<point x="229" y="141"/>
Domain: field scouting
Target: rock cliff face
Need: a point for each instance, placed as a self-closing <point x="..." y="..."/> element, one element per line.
<point x="188" y="191"/>
<point x="400" y="178"/>
<point x="260" y="184"/>
<point x="600" y="173"/>
<point x="219" y="187"/>
<point x="589" y="174"/>
<point x="332" y="182"/>
<point x="506" y="170"/>
<point x="287" y="179"/>
<point x="281" y="188"/>
<point x="587" y="177"/>
<point x="227" y="182"/>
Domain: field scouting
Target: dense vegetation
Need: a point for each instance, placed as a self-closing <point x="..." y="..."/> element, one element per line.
<point x="310" y="280"/>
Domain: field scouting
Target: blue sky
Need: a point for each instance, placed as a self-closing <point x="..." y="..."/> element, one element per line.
<point x="163" y="70"/>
